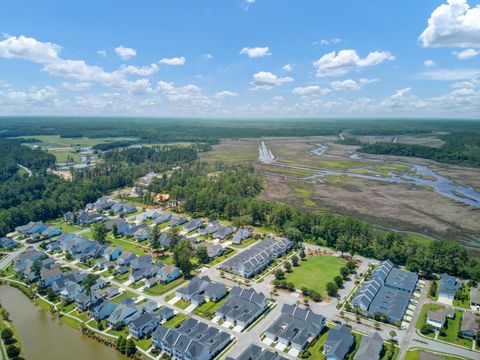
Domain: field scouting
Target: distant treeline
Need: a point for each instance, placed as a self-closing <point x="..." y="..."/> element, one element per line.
<point x="229" y="193"/>
<point x="460" y="148"/>
<point x="12" y="152"/>
<point x="163" y="155"/>
<point x="210" y="131"/>
<point x="113" y="145"/>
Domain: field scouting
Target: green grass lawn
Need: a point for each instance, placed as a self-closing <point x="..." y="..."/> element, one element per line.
<point x="76" y="324"/>
<point x="208" y="309"/>
<point x="396" y="350"/>
<point x="125" y="294"/>
<point x="175" y="321"/>
<point x="81" y="315"/>
<point x="42" y="304"/>
<point x="182" y="304"/>
<point x="122" y="278"/>
<point x="245" y="243"/>
<point x="465" y="291"/>
<point x="453" y="326"/>
<point x="316" y="349"/>
<point x="316" y="272"/>
<point x="66" y="227"/>
<point x="123" y="332"/>
<point x="224" y="257"/>
<point x="127" y="245"/>
<point x="160" y="289"/>
<point x="145" y="344"/>
<point x="422" y="318"/>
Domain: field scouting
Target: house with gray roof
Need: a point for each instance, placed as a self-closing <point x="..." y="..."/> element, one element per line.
<point x="126" y="258"/>
<point x="255" y="352"/>
<point x="470" y="325"/>
<point x="103" y="309"/>
<point x="192" y="225"/>
<point x="215" y="291"/>
<point x="222" y="233"/>
<point x="438" y="317"/>
<point x="387" y="292"/>
<point x="143" y="326"/>
<point x="122" y="315"/>
<point x="475" y="298"/>
<point x="192" y="340"/>
<point x="7" y="243"/>
<point x="214" y="250"/>
<point x="370" y="348"/>
<point x="243" y="307"/>
<point x="256" y="258"/>
<point x="196" y="286"/>
<point x="339" y="342"/>
<point x="165" y="314"/>
<point x="447" y="288"/>
<point x="240" y="235"/>
<point x="296" y="327"/>
<point x="162" y="218"/>
<point x="176" y="221"/>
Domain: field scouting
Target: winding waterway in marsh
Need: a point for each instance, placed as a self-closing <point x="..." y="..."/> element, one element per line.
<point x="47" y="338"/>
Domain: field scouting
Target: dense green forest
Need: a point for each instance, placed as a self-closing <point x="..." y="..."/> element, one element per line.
<point x="229" y="193"/>
<point x="460" y="148"/>
<point x="45" y="196"/>
<point x="164" y="155"/>
<point x="13" y="153"/>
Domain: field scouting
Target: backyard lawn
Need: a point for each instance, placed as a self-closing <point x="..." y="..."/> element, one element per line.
<point x="123" y="295"/>
<point x="182" y="304"/>
<point x="315" y="272"/>
<point x="451" y="332"/>
<point x="160" y="289"/>
<point x="208" y="309"/>
<point x="175" y="321"/>
<point x="126" y="245"/>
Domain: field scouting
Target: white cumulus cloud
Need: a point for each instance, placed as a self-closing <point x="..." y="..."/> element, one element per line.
<point x="256" y="52"/>
<point x="454" y="24"/>
<point x="102" y="53"/>
<point x="310" y="90"/>
<point x="125" y="53"/>
<point x="467" y="54"/>
<point x="287" y="68"/>
<point x="224" y="94"/>
<point x="265" y="80"/>
<point x="429" y="63"/>
<point x="175" y="61"/>
<point x="335" y="64"/>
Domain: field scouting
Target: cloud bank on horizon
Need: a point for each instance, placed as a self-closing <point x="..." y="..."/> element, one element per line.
<point x="243" y="58"/>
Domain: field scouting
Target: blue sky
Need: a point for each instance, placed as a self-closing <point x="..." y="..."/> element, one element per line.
<point x="240" y="58"/>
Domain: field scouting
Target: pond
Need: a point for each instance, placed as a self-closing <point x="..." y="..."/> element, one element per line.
<point x="45" y="337"/>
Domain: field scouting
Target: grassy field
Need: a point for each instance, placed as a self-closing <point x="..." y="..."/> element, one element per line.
<point x="304" y="194"/>
<point x="182" y="304"/>
<point x="123" y="295"/>
<point x="224" y="257"/>
<point x="175" y="321"/>
<point x="160" y="289"/>
<point x="316" y="272"/>
<point x="451" y="332"/>
<point x="127" y="245"/>
<point x="208" y="309"/>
